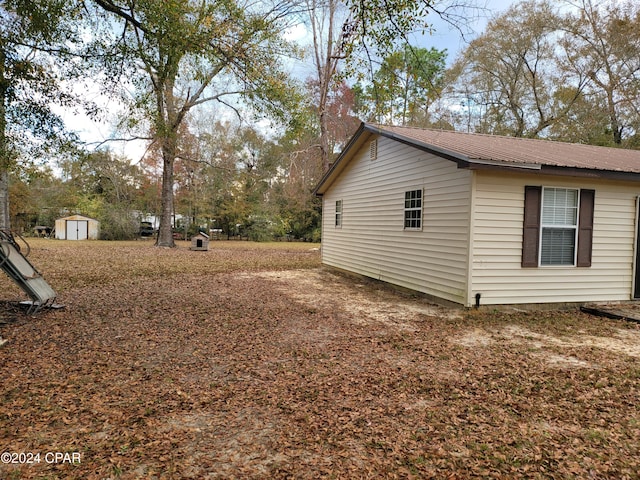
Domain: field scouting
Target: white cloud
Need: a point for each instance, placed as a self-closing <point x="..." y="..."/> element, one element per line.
<point x="296" y="33"/>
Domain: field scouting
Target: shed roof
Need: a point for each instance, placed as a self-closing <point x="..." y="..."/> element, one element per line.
<point x="473" y="150"/>
<point x="78" y="217"/>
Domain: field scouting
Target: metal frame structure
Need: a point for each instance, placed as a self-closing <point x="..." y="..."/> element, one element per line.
<point x="24" y="274"/>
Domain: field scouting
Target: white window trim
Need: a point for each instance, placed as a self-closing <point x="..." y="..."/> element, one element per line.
<point x="338" y="214"/>
<point x="576" y="228"/>
<point x="405" y="209"/>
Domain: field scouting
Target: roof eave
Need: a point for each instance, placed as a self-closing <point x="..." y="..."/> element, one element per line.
<point x="591" y="173"/>
<point x="340" y="163"/>
<point x="559" y="171"/>
<point x="462" y="160"/>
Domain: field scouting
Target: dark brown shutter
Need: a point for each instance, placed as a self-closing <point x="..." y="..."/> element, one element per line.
<point x="585" y="227"/>
<point x="531" y="231"/>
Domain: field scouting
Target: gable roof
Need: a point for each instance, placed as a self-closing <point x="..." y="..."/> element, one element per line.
<point x="78" y="217"/>
<point x="478" y="151"/>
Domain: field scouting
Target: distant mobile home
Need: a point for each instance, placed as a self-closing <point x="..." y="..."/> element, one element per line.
<point x="77" y="227"/>
<point x="481" y="219"/>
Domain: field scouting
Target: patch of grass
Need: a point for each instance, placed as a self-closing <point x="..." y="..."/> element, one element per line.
<point x="595" y="436"/>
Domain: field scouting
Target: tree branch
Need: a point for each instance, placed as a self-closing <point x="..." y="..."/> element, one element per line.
<point x="113" y="8"/>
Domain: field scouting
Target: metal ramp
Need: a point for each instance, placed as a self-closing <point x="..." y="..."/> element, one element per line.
<point x="24" y="274"/>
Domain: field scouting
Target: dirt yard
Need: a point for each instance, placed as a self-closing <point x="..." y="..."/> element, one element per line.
<point x="250" y="361"/>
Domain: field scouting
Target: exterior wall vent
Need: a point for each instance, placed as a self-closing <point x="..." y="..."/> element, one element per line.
<point x="373" y="150"/>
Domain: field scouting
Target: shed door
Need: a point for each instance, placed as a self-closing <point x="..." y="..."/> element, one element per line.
<point x="77" y="229"/>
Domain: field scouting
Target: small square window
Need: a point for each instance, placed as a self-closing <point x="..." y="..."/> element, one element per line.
<point x="413" y="210"/>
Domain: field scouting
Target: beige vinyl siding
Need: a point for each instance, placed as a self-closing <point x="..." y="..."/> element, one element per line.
<point x="497" y="247"/>
<point x="372" y="240"/>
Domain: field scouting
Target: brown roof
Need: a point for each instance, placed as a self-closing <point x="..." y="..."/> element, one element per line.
<point x="478" y="148"/>
<point x="473" y="150"/>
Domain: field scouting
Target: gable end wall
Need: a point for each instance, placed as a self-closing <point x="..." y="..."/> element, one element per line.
<point x="372" y="240"/>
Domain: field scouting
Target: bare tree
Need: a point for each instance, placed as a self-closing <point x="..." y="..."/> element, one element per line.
<point x="513" y="70"/>
<point x="603" y="41"/>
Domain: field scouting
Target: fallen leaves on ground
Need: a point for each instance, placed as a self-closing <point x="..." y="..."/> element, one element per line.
<point x="251" y="361"/>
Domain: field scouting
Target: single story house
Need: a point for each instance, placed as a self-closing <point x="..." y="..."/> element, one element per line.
<point x="77" y="227"/>
<point x="484" y="220"/>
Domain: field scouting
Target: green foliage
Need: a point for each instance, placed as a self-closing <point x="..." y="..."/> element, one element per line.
<point x="248" y="184"/>
<point x="384" y="23"/>
<point x="185" y="53"/>
<point x="108" y="188"/>
<point x="102" y="173"/>
<point x="262" y="230"/>
<point x="404" y="87"/>
<point x="117" y="221"/>
<point x="36" y="197"/>
<point x="30" y="77"/>
<point x="302" y="218"/>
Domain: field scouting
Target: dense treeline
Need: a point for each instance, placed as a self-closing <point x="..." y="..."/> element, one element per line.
<point x="238" y="137"/>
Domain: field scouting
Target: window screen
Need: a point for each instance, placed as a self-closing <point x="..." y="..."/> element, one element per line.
<point x="559" y="226"/>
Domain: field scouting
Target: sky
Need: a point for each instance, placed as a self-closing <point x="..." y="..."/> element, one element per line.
<point x="444" y="36"/>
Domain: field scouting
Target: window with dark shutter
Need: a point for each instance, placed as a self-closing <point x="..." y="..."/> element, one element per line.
<point x="531" y="231"/>
<point x="585" y="228"/>
<point x="558" y="227"/>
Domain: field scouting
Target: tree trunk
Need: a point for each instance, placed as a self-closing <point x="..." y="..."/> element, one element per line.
<point x="616" y="129"/>
<point x="326" y="62"/>
<point x="165" y="232"/>
<point x="324" y="139"/>
<point x="5" y="222"/>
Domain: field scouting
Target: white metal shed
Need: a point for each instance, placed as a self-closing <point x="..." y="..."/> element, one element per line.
<point x="77" y="227"/>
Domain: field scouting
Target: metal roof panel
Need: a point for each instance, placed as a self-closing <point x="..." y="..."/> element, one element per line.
<point x="521" y="151"/>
